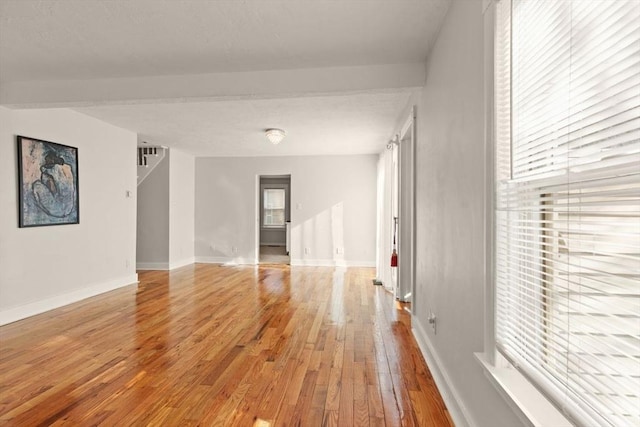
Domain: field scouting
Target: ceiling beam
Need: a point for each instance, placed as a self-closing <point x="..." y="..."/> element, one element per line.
<point x="211" y="87"/>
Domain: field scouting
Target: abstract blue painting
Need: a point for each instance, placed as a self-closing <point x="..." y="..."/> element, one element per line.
<point x="48" y="183"/>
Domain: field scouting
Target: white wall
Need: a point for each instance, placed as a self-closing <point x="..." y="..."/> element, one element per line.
<point x="166" y="201"/>
<point x="46" y="267"/>
<point x="181" y="208"/>
<point x="450" y="216"/>
<point x="152" y="246"/>
<point x="333" y="201"/>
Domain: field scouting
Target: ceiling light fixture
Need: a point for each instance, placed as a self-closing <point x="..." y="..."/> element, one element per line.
<point x="275" y="135"/>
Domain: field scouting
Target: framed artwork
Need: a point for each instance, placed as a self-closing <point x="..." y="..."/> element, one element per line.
<point x="47" y="183"/>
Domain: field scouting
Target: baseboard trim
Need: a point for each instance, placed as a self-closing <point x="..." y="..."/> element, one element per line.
<point x="331" y="263"/>
<point x="164" y="265"/>
<point x="294" y="262"/>
<point x="450" y="395"/>
<point x="37" y="307"/>
<point x="181" y="263"/>
<point x="313" y="262"/>
<point x="152" y="266"/>
<point x="225" y="260"/>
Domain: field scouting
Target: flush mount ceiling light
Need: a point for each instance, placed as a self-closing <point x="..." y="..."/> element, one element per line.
<point x="275" y="135"/>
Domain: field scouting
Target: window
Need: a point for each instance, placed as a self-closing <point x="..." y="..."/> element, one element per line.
<point x="273" y="208"/>
<point x="567" y="220"/>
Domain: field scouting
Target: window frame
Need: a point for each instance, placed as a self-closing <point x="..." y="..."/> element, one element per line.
<point x="264" y="187"/>
<point x="532" y="407"/>
<point x="527" y="402"/>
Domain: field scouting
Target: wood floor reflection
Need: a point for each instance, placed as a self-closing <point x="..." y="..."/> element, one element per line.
<point x="229" y="346"/>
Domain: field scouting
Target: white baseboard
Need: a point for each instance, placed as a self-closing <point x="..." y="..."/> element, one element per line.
<point x="313" y="262"/>
<point x="294" y="262"/>
<point x="450" y="395"/>
<point x="152" y="266"/>
<point x="226" y="260"/>
<point x="164" y="265"/>
<point x="331" y="263"/>
<point x="181" y="263"/>
<point x="370" y="264"/>
<point x="31" y="309"/>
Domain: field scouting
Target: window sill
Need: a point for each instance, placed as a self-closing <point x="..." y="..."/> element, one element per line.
<point x="526" y="401"/>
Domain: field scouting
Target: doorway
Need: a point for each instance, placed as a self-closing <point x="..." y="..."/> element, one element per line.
<point x="274" y="219"/>
<point x="406" y="212"/>
<point x="396" y="210"/>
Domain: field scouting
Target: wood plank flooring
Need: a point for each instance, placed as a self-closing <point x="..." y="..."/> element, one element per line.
<point x="229" y="346"/>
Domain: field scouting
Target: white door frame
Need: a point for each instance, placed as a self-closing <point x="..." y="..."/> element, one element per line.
<point x="258" y="209"/>
<point x="387" y="205"/>
<point x="407" y="210"/>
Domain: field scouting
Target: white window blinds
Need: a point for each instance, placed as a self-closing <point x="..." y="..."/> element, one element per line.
<point x="568" y="202"/>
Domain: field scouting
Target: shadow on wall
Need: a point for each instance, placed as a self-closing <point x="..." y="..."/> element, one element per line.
<point x="319" y="240"/>
<point x="221" y="243"/>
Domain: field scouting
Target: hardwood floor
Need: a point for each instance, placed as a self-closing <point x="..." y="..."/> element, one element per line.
<point x="229" y="346"/>
<point x="274" y="255"/>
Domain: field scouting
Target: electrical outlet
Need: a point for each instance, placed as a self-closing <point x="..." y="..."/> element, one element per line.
<point x="234" y="249"/>
<point x="432" y="321"/>
<point x="127" y="263"/>
<point x="339" y="251"/>
<point x="307" y="251"/>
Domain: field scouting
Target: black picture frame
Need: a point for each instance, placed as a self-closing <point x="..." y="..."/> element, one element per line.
<point x="48" y="191"/>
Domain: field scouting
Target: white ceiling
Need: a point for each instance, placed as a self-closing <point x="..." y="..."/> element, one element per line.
<point x="338" y="124"/>
<point x="72" y="44"/>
